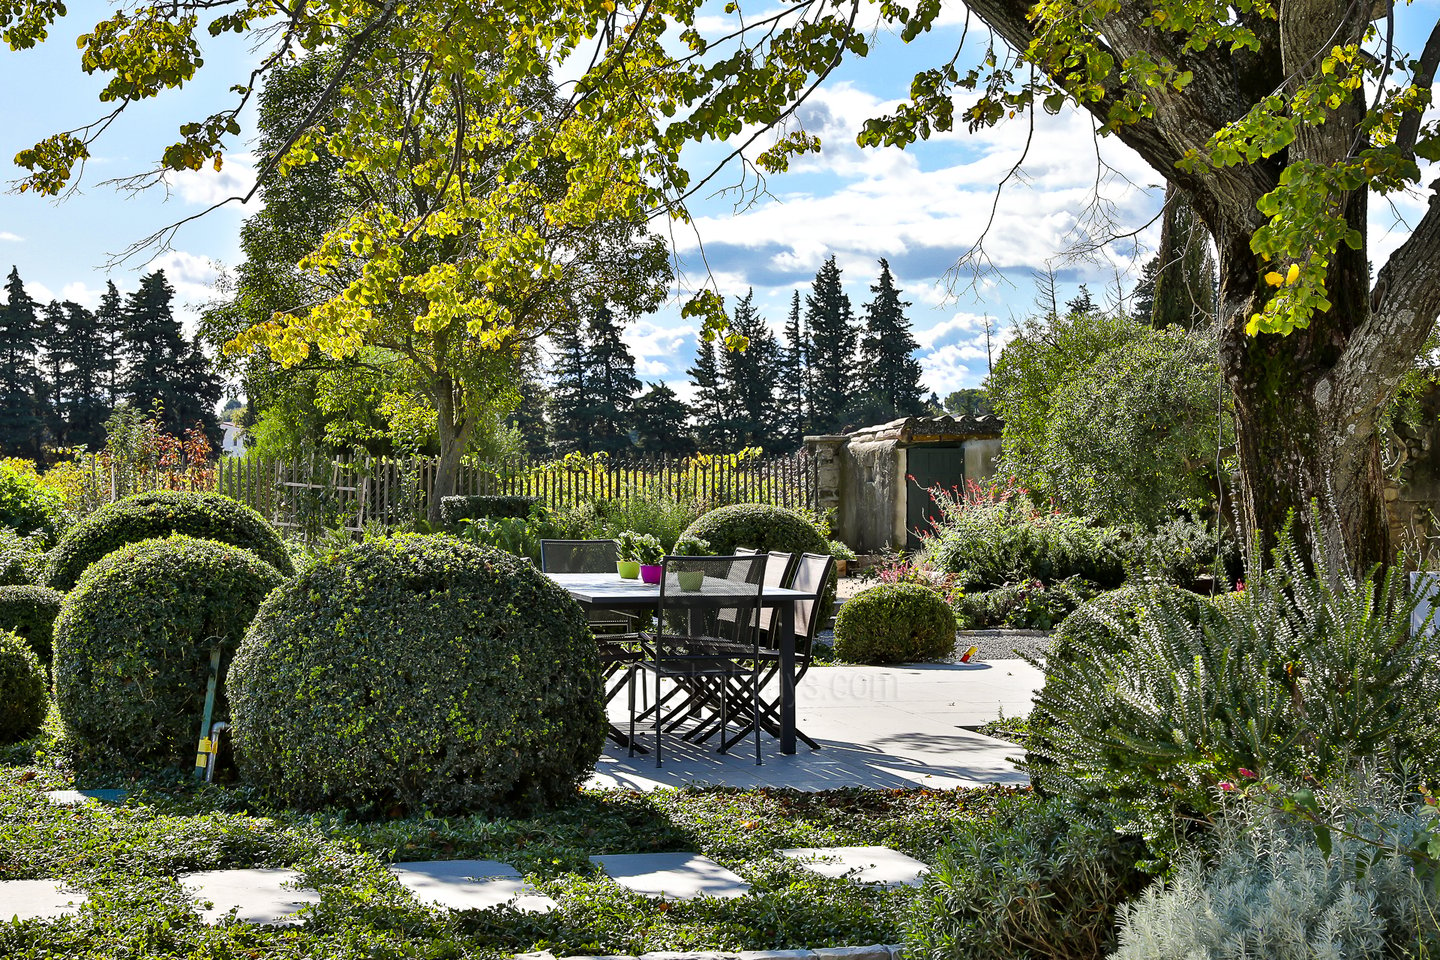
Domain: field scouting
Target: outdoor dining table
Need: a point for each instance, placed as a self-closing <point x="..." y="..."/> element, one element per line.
<point x="606" y="591"/>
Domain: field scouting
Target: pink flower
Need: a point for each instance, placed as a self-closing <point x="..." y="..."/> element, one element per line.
<point x="1239" y="586"/>
<point x="1226" y="785"/>
<point x="1247" y="773"/>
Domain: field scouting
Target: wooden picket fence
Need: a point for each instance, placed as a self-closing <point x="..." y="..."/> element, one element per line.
<point x="315" y="493"/>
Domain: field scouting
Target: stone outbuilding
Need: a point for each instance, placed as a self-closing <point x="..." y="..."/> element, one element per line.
<point x="877" y="479"/>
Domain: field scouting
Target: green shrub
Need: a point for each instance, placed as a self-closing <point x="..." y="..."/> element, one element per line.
<point x="1042" y="879"/>
<point x="455" y="509"/>
<point x="760" y="526"/>
<point x="1030" y="605"/>
<point x="22" y="690"/>
<point x="1183" y="551"/>
<point x="1270" y="890"/>
<point x="894" y="623"/>
<point x="31" y="612"/>
<point x="207" y="516"/>
<point x="133" y="642"/>
<point x="26" y="506"/>
<point x="419" y="672"/>
<point x="993" y="536"/>
<point x="1290" y="679"/>
<point x="22" y="558"/>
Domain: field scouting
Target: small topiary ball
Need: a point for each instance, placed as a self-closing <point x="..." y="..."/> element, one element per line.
<point x="422" y="673"/>
<point x="22" y="690"/>
<point x="31" y="612"/>
<point x="205" y="516"/>
<point x="895" y="623"/>
<point x="133" y="643"/>
<point x="761" y="526"/>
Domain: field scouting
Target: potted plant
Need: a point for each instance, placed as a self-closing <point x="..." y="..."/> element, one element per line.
<point x="627" y="555"/>
<point x="647" y="550"/>
<point x="692" y="580"/>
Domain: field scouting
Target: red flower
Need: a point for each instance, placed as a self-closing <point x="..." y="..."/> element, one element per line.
<point x="1247" y="773"/>
<point x="1226" y="785"/>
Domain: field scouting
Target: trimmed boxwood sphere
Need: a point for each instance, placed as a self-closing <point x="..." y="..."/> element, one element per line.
<point x="895" y="623"/>
<point x="423" y="673"/>
<point x="31" y="612"/>
<point x="761" y="526"/>
<point x="206" y="516"/>
<point x="22" y="690"/>
<point x="133" y="642"/>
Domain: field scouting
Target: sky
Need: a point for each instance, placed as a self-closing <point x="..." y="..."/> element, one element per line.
<point x="921" y="208"/>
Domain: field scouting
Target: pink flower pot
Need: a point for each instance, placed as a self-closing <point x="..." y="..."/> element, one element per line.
<point x="650" y="572"/>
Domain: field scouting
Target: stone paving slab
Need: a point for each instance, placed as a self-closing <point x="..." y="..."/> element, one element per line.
<point x="74" y="798"/>
<point x="36" y="900"/>
<point x="268" y="896"/>
<point x="862" y="864"/>
<point x="674" y="876"/>
<point x="470" y="885"/>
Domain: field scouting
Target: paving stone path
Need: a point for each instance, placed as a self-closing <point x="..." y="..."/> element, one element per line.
<point x="277" y="896"/>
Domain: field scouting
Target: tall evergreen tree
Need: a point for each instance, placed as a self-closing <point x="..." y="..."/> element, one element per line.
<point x="528" y="417"/>
<point x="830" y="323"/>
<point x="750" y="376"/>
<point x="712" y="408"/>
<point x="792" y="376"/>
<point x="21" y="425"/>
<point x="1185" y="277"/>
<point x="76" y="367"/>
<point x="889" y="372"/>
<point x="161" y="367"/>
<point x="612" y="382"/>
<point x="110" y="325"/>
<point x="661" y="423"/>
<point x="571" y="416"/>
<point x="1143" y="307"/>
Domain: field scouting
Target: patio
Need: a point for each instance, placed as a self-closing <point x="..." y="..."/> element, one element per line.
<point x="884" y="727"/>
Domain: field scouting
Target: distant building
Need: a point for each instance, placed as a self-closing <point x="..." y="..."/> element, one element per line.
<point x="232" y="444"/>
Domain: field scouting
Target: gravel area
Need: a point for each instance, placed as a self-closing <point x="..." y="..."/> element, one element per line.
<point x="992" y="644"/>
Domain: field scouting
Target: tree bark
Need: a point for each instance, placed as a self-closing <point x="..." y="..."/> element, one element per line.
<point x="454" y="424"/>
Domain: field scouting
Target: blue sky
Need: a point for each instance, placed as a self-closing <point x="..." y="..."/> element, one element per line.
<point x="921" y="208"/>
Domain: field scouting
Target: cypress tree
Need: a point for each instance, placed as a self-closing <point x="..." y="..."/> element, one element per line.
<point x="661" y="423"/>
<point x="831" y="349"/>
<point x="20" y="412"/>
<point x="712" y="408"/>
<point x="611" y="383"/>
<point x="792" y="377"/>
<point x="750" y="377"/>
<point x="1184" y="293"/>
<point x="889" y="372"/>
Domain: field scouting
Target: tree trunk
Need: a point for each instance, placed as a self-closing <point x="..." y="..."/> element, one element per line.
<point x="454" y="424"/>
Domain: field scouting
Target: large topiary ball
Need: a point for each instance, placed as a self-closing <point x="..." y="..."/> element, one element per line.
<point x="423" y="673"/>
<point x="207" y="516"/>
<point x="760" y="526"/>
<point x="133" y="643"/>
<point x="31" y="612"/>
<point x="895" y="623"/>
<point x="22" y="690"/>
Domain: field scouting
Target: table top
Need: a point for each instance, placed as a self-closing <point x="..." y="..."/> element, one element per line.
<point x="611" y="591"/>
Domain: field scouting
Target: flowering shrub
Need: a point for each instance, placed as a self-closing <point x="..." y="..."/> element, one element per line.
<point x="991" y="535"/>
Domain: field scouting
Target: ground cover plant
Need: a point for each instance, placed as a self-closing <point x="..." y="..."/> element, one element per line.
<point x="125" y="856"/>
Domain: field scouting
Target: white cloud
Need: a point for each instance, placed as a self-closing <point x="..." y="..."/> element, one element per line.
<point x="206" y="187"/>
<point x="193" y="278"/>
<point x="8" y="237"/>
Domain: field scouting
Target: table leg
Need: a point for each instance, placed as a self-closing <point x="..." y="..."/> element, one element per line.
<point x="787" y="678"/>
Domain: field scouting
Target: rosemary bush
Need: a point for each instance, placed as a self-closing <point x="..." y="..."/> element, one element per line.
<point x="1297" y="676"/>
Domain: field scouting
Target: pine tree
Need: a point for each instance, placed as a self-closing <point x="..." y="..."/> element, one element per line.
<point x="20" y="413"/>
<point x="161" y="367"/>
<point x="528" y="417"/>
<point x="612" y="383"/>
<point x="792" y="376"/>
<point x="712" y="408"/>
<point x="76" y="368"/>
<point x="889" y="372"/>
<point x="661" y="423"/>
<point x="750" y="377"/>
<point x="1081" y="303"/>
<point x="830" y="349"/>
<point x="1143" y="309"/>
<point x="571" y="417"/>
<point x="110" y="324"/>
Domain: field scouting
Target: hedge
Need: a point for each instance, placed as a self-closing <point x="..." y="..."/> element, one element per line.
<point x="488" y="507"/>
<point x="22" y="690"/>
<point x="895" y="623"/>
<point x="133" y="643"/>
<point x="206" y="516"/>
<point x="31" y="612"/>
<point x="763" y="527"/>
<point x="419" y="673"/>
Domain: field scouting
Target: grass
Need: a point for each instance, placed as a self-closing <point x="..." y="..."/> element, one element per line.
<point x="126" y="857"/>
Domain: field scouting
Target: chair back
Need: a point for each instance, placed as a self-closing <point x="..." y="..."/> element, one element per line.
<point x="578" y="556"/>
<point x="812" y="575"/>
<point x="779" y="571"/>
<point x="715" y="597"/>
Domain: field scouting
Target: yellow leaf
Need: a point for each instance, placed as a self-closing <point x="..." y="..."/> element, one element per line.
<point x="1253" y="326"/>
<point x="1274" y="279"/>
<point x="1293" y="274"/>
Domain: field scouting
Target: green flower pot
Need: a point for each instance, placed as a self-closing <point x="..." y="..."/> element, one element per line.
<point x="690" y="580"/>
<point x="629" y="569"/>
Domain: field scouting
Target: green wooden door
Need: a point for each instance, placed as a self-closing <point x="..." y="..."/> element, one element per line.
<point x="927" y="467"/>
